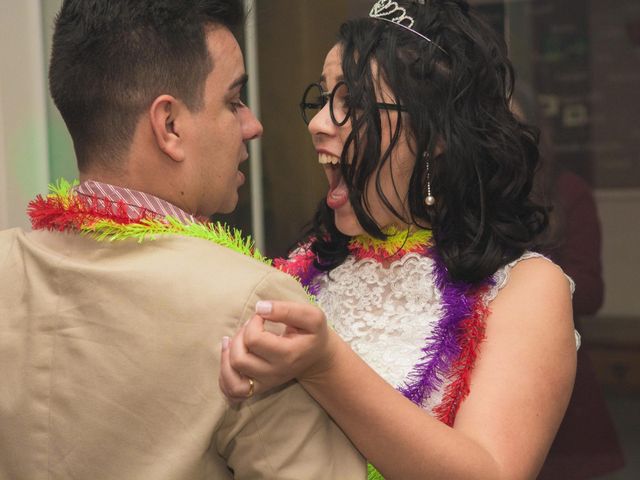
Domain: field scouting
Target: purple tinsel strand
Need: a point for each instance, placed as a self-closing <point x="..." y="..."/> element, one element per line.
<point x="308" y="277"/>
<point x="442" y="348"/>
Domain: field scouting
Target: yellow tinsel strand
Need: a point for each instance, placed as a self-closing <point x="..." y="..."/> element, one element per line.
<point x="396" y="240"/>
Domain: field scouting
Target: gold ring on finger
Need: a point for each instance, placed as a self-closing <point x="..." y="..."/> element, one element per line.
<point x="252" y="387"/>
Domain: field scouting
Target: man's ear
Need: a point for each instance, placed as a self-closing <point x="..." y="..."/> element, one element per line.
<point x="166" y="122"/>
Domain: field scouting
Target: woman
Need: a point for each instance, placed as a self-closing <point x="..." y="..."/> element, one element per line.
<point x="419" y="257"/>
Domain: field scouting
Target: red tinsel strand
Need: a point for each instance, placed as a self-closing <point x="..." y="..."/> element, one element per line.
<point x="301" y="266"/>
<point x="75" y="212"/>
<point x="295" y="265"/>
<point x="473" y="330"/>
<point x="381" y="256"/>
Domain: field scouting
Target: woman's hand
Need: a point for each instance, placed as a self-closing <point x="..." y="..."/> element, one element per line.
<point x="256" y="354"/>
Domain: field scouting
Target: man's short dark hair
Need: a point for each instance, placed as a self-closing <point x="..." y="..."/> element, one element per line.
<point x="112" y="58"/>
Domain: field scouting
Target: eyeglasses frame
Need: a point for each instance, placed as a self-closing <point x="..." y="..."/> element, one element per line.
<point x="328" y="98"/>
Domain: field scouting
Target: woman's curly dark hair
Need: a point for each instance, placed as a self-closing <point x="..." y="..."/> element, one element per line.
<point x="482" y="159"/>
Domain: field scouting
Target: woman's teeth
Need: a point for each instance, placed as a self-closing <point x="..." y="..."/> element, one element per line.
<point x="325" y="159"/>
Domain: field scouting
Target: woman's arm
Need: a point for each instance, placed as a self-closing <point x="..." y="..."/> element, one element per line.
<point x="519" y="389"/>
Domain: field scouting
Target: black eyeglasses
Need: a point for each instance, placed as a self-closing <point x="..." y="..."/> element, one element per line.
<point x="315" y="98"/>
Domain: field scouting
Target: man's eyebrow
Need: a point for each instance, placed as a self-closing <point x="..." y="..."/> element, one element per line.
<point x="239" y="82"/>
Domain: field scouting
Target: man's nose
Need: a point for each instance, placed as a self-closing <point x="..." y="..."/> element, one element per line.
<point x="252" y="128"/>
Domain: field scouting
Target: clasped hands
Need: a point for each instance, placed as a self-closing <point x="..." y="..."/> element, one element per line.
<point x="257" y="359"/>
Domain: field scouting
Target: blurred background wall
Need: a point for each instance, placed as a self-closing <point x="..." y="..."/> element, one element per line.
<point x="23" y="123"/>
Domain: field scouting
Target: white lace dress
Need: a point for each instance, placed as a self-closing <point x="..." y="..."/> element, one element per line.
<point x="385" y="312"/>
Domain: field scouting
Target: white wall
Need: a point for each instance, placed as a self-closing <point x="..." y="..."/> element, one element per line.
<point x="23" y="136"/>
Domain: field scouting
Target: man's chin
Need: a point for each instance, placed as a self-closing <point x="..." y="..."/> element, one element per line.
<point x="229" y="206"/>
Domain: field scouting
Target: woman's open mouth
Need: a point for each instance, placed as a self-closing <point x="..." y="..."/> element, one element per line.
<point x="338" y="194"/>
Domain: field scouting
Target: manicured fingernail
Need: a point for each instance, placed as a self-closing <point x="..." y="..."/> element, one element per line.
<point x="225" y="343"/>
<point x="264" y="307"/>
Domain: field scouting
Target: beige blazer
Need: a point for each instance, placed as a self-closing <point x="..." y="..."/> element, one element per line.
<point x="109" y="357"/>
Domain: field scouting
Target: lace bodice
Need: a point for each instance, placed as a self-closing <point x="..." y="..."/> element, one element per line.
<point x="385" y="312"/>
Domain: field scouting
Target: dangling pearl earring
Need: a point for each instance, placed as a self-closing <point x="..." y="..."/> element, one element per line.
<point x="429" y="200"/>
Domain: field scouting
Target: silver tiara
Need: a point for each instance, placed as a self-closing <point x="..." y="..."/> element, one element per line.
<point x="391" y="12"/>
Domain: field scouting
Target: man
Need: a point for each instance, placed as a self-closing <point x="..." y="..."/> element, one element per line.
<point x="109" y="350"/>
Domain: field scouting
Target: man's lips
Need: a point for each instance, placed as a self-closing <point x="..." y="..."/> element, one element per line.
<point x="241" y="176"/>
